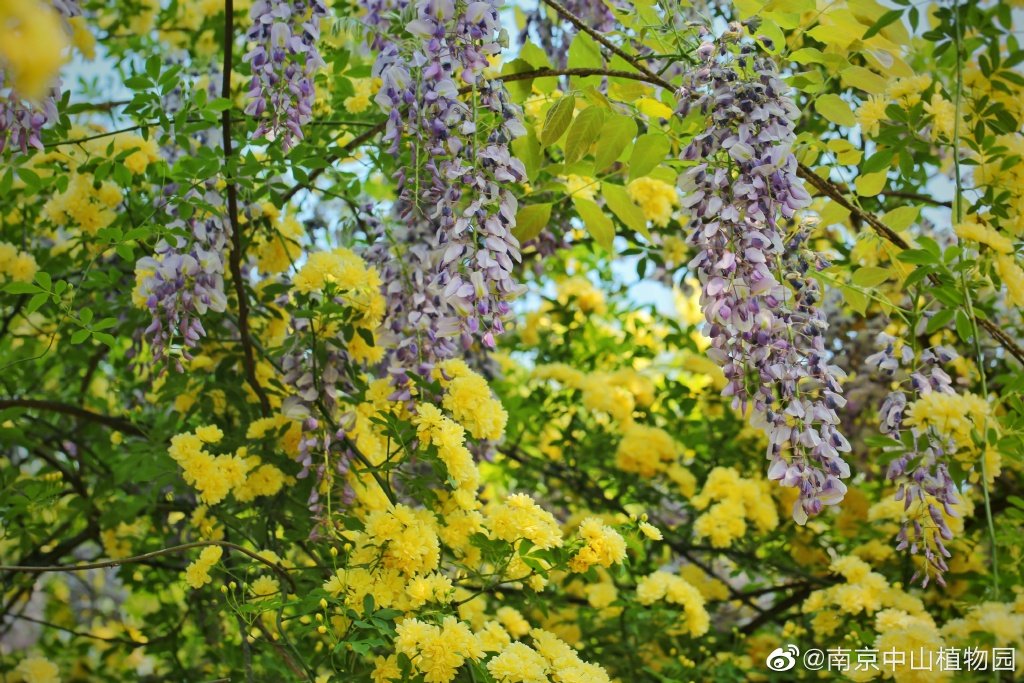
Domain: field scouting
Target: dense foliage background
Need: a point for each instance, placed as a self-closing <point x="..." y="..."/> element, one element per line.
<point x="452" y="341"/>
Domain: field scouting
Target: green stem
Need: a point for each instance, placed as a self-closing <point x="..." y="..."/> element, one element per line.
<point x="958" y="211"/>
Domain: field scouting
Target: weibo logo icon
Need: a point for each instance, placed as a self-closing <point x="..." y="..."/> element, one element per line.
<point x="783" y="659"/>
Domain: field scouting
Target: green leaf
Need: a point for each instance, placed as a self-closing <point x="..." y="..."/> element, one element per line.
<point x="964" y="329"/>
<point x="835" y="109"/>
<point x="631" y="215"/>
<point x="863" y="79"/>
<point x="584" y="53"/>
<point x="883" y="21"/>
<point x="901" y="218"/>
<point x="530" y="220"/>
<point x="36" y="301"/>
<point x="80" y="336"/>
<point x="870" y="184"/>
<point x="870" y="276"/>
<point x="527" y="149"/>
<point x="583" y="133"/>
<point x="649" y="151"/>
<point x="21" y="288"/>
<point x="939" y="320"/>
<point x="600" y="226"/>
<point x="616" y="133"/>
<point x="855" y="299"/>
<point x="557" y="120"/>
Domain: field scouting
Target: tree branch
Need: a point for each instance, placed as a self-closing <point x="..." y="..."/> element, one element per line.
<point x="117" y="423"/>
<point x="135" y="559"/>
<point x="829" y="189"/>
<point x="235" y="257"/>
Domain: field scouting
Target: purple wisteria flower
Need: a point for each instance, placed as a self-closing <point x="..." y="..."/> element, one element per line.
<point x="284" y="63"/>
<point x="421" y="327"/>
<point x="921" y="471"/>
<point x="459" y="162"/>
<point x="185" y="278"/>
<point x="766" y="329"/>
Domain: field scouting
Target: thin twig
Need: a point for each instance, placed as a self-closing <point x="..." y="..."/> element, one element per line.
<point x="135" y="559"/>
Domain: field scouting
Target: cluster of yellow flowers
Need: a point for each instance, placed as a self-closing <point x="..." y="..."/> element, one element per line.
<point x="951" y="415"/>
<point x="437" y="651"/>
<point x="19" y="266"/>
<point x="144" y="151"/>
<point x="278" y="246"/>
<point x="468" y="398"/>
<point x="676" y="590"/>
<point x="519" y="517"/>
<point x="549" y="660"/>
<point x="581" y="292"/>
<point x="37" y="670"/>
<point x="603" y="546"/>
<point x="906" y="92"/>
<point x="655" y="197"/>
<point x="31" y="52"/>
<point x="365" y="88"/>
<point x="197" y="574"/>
<point x="434" y="428"/>
<point x="645" y="450"/>
<point x="215" y="476"/>
<point x="983" y="234"/>
<point x="735" y="502"/>
<point x="863" y="591"/>
<point x="85" y="204"/>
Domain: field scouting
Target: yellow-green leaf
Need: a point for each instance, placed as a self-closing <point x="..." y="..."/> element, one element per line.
<point x="583" y="133"/>
<point x="631" y="215"/>
<point x="558" y="119"/>
<point x="530" y="220"/>
<point x="870" y="184"/>
<point x="855" y="299"/>
<point x="870" y="276"/>
<point x="598" y="224"/>
<point x="649" y="151"/>
<point x="616" y="133"/>
<point x="863" y="79"/>
<point x="902" y="217"/>
<point x="835" y="109"/>
<point x="833" y="213"/>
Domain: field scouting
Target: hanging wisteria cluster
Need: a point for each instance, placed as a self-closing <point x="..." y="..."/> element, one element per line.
<point x="421" y="327"/>
<point x="22" y="120"/>
<point x="459" y="164"/>
<point x="185" y="276"/>
<point x="284" y="63"/>
<point x="922" y="472"/>
<point x="766" y="331"/>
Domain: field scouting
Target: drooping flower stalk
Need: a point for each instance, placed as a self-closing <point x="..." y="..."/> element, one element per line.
<point x="459" y="163"/>
<point x="922" y="471"/>
<point x="761" y="306"/>
<point x="185" y="278"/>
<point x="284" y="63"/>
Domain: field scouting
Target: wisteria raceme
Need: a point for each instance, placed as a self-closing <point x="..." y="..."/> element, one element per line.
<point x="460" y="164"/>
<point x="284" y="63"/>
<point x="421" y="327"/>
<point x="766" y="330"/>
<point x="921" y="472"/>
<point x="184" y="279"/>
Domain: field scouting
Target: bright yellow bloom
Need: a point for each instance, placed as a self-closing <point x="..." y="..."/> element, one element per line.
<point x="983" y="234"/>
<point x="603" y="546"/>
<point x="38" y="670"/>
<point x="870" y="114"/>
<point x="655" y="197"/>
